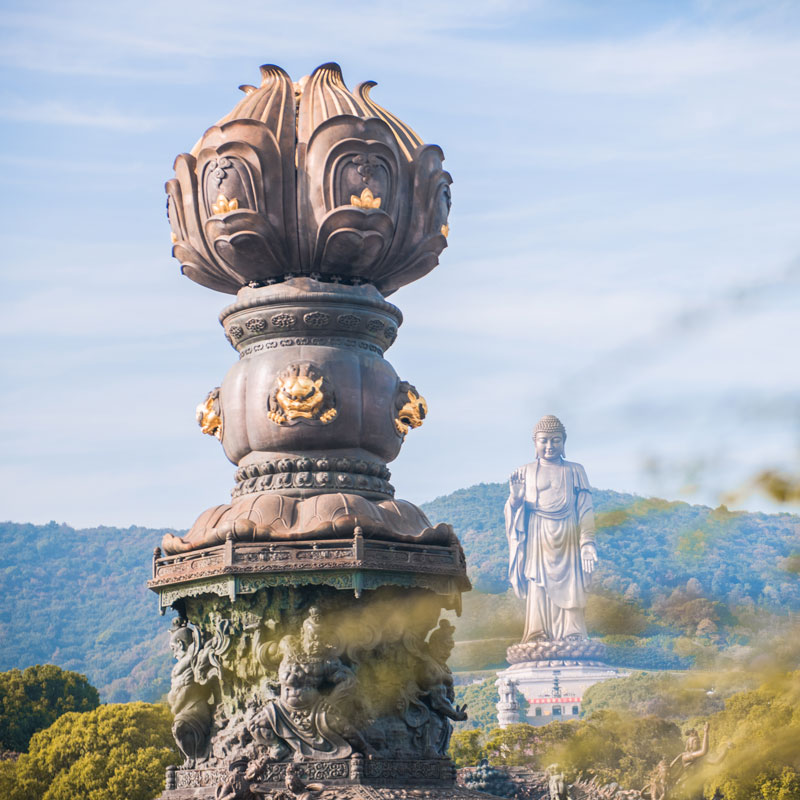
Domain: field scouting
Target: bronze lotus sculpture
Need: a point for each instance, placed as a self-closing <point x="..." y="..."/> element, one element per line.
<point x="308" y="179"/>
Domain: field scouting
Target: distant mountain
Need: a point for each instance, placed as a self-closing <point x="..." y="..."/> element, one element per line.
<point x="647" y="547"/>
<point x="77" y="598"/>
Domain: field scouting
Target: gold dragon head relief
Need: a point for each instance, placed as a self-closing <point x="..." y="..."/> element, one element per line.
<point x="301" y="394"/>
<point x="411" y="409"/>
<point x="209" y="415"/>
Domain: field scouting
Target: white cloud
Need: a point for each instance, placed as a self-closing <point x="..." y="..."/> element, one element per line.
<point x="62" y="113"/>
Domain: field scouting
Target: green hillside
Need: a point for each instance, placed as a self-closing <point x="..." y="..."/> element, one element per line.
<point x="77" y="598"/>
<point x="675" y="580"/>
<point x="648" y="547"/>
<point x="676" y="584"/>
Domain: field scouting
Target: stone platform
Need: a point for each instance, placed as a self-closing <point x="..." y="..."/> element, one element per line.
<point x="357" y="563"/>
<point x="351" y="793"/>
<point x="340" y="779"/>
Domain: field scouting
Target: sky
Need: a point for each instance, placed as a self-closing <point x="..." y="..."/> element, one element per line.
<point x="624" y="241"/>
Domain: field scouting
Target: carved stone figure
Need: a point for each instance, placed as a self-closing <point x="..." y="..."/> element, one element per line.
<point x="298" y="787"/>
<point x="208" y="414"/>
<point x="299" y="395"/>
<point x="192" y="694"/>
<point x="236" y="785"/>
<point x="306" y="719"/>
<point x="550" y="529"/>
<point x="676" y="779"/>
<point x="436" y="681"/>
<point x="411" y="406"/>
<point x="695" y="749"/>
<point x="505" y="689"/>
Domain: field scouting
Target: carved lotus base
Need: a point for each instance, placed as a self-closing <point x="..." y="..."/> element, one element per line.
<point x="567" y="652"/>
<point x="271" y="517"/>
<point x="236" y="569"/>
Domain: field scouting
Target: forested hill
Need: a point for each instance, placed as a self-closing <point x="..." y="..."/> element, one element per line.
<point x="77" y="598"/>
<point x="648" y="547"/>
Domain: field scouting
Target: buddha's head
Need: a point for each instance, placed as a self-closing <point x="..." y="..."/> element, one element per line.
<point x="549" y="437"/>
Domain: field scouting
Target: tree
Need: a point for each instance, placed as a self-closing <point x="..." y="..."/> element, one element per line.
<point x="760" y="730"/>
<point x="32" y="699"/>
<point x="466" y="747"/>
<point x="113" y="752"/>
<point x="608" y="614"/>
<point x="617" y="747"/>
<point x="523" y="744"/>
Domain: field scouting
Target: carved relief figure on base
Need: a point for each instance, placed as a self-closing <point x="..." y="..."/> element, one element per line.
<point x="305" y="720"/>
<point x="192" y="694"/>
<point x="550" y="529"/>
<point x="236" y="786"/>
<point x="298" y="788"/>
<point x="436" y="681"/>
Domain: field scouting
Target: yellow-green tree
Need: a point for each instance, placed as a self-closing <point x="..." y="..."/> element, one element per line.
<point x="32" y="699"/>
<point x="617" y="747"/>
<point x="466" y="747"/>
<point x="760" y="730"/>
<point x="523" y="744"/>
<point x="114" y="752"/>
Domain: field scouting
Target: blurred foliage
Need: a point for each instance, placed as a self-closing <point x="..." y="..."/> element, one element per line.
<point x="782" y="487"/>
<point x="663" y="694"/>
<point x="615" y="747"/>
<point x="760" y="729"/>
<point x="113" y="752"/>
<point x="58" y="585"/>
<point x="32" y="699"/>
<point x="631" y="723"/>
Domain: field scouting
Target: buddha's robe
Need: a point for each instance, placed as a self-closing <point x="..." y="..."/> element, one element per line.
<point x="546" y="528"/>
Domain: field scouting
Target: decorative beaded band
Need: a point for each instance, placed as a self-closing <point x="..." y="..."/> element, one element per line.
<point x="320" y="474"/>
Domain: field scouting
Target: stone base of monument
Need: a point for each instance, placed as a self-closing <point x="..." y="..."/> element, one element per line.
<point x="355" y="778"/>
<point x="535" y="680"/>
